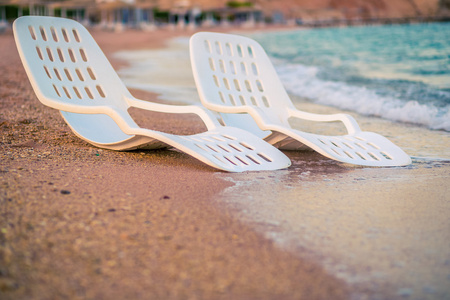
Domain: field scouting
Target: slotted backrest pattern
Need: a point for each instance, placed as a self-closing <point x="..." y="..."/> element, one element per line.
<point x="64" y="63"/>
<point x="235" y="71"/>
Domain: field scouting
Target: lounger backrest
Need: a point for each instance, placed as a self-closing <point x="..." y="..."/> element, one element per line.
<point x="65" y="65"/>
<point x="235" y="71"/>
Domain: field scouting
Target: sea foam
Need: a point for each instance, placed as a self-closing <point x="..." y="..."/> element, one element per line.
<point x="304" y="81"/>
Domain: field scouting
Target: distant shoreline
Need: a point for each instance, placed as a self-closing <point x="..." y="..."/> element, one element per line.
<point x="375" y="21"/>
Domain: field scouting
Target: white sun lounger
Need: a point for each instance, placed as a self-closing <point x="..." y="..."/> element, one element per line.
<point x="69" y="72"/>
<point x="235" y="77"/>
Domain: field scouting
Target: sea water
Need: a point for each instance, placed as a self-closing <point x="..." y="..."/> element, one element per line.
<point x="396" y="72"/>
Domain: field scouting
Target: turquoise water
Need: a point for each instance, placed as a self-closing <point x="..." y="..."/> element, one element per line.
<point x="397" y="72"/>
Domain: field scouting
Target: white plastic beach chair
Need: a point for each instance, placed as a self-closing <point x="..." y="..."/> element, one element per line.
<point x="69" y="72"/>
<point x="235" y="77"/>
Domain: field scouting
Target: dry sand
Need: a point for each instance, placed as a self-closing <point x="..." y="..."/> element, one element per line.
<point x="80" y="222"/>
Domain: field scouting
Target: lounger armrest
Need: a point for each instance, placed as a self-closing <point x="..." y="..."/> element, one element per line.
<point x="256" y="113"/>
<point x="227" y="109"/>
<point x="349" y="122"/>
<point x="207" y="116"/>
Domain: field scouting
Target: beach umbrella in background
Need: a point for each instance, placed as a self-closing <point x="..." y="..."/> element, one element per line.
<point x="178" y="12"/>
<point x="183" y="13"/>
<point x="119" y="14"/>
<point x="79" y="9"/>
<point x="114" y="13"/>
<point x="190" y="13"/>
<point x="34" y="7"/>
<point x="144" y="14"/>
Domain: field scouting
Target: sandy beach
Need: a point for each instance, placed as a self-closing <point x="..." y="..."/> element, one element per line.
<point x="80" y="222"/>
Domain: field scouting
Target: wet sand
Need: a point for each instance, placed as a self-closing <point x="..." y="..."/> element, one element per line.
<point x="81" y="222"/>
